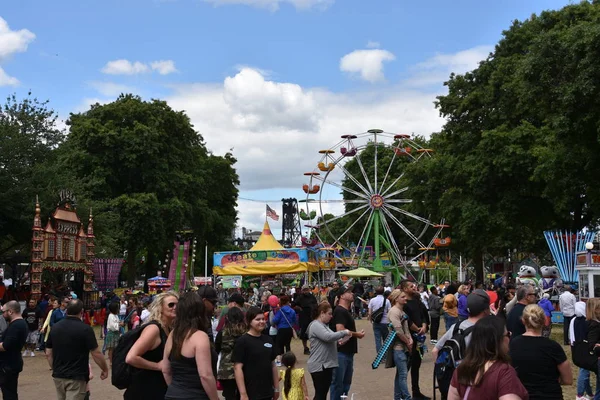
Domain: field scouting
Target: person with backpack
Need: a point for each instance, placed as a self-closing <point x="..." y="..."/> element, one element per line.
<point x="68" y="348"/>
<point x="450" y="349"/>
<point x="189" y="358"/>
<point x="485" y="372"/>
<point x="578" y="331"/>
<point x="435" y="306"/>
<point x="378" y="315"/>
<point x="140" y="352"/>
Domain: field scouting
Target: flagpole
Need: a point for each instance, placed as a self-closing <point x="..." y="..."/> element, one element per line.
<point x="266" y="210"/>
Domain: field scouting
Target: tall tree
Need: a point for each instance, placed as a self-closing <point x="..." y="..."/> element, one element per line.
<point x="29" y="137"/>
<point x="146" y="163"/>
<point x="519" y="151"/>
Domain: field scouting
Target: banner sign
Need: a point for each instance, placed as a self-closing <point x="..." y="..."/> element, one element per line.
<point x="232" y="282"/>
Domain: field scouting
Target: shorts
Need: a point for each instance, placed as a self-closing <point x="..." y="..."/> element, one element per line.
<point x="33" y="337"/>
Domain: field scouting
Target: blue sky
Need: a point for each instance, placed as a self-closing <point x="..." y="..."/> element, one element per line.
<point x="274" y="80"/>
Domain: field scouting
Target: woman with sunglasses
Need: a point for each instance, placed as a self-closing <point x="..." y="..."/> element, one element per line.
<point x="485" y="372"/>
<point x="189" y="358"/>
<point x="147" y="352"/>
<point x="541" y="363"/>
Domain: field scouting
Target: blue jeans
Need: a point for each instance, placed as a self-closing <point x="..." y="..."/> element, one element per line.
<point x="381" y="331"/>
<point x="342" y="376"/>
<point x="597" y="395"/>
<point x="583" y="383"/>
<point x="400" y="384"/>
<point x="450" y="320"/>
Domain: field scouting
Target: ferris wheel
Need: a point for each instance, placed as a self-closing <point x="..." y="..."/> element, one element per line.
<point x="364" y="206"/>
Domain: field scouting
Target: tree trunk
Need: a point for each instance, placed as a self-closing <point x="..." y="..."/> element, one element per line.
<point x="131" y="267"/>
<point x="478" y="265"/>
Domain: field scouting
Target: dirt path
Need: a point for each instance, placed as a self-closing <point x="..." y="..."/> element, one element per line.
<point x="36" y="381"/>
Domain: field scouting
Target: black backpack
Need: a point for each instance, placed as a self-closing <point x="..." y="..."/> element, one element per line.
<point x="122" y="373"/>
<point x="450" y="356"/>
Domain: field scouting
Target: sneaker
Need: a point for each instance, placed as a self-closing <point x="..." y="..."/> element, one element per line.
<point x="584" y="397"/>
<point x="306" y="351"/>
<point x="32" y="354"/>
<point x="433" y="341"/>
<point x="25" y="353"/>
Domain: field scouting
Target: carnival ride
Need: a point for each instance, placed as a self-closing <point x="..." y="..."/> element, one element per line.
<point x="374" y="207"/>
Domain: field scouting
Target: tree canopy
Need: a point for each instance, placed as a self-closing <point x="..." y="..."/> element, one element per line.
<point x="145" y="163"/>
<point x="519" y="151"/>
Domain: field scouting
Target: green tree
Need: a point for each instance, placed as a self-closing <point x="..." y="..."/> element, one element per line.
<point x="145" y="163"/>
<point x="29" y="137"/>
<point x="519" y="151"/>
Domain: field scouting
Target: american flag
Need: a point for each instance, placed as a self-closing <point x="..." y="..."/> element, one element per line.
<point x="272" y="214"/>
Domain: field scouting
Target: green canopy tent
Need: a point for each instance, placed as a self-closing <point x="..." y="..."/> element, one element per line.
<point x="360" y="273"/>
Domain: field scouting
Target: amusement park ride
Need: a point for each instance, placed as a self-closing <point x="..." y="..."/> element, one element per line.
<point x="374" y="205"/>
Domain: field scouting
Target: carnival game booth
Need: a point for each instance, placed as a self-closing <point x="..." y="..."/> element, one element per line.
<point x="158" y="283"/>
<point x="266" y="257"/>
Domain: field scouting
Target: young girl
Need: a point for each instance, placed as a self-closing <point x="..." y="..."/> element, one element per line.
<point x="294" y="384"/>
<point x="112" y="330"/>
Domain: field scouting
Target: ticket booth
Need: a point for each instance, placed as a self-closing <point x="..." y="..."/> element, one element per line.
<point x="588" y="266"/>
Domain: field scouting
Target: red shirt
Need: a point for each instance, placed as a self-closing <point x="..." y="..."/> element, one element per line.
<point x="499" y="380"/>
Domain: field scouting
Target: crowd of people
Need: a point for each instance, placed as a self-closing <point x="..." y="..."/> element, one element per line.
<point x="195" y="344"/>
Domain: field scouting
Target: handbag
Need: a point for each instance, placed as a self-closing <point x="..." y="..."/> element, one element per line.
<point x="584" y="356"/>
<point x="294" y="333"/>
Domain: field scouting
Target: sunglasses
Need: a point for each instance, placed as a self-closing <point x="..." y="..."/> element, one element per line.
<point x="171" y="305"/>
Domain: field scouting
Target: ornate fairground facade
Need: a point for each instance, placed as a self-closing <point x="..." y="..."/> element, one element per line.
<point x="62" y="245"/>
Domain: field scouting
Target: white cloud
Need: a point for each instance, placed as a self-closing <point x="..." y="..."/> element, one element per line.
<point x="258" y="104"/>
<point x="111" y="89"/>
<point x="124" y="67"/>
<point x="273" y="5"/>
<point x="164" y="67"/>
<point x="439" y="67"/>
<point x="6" y="80"/>
<point x="373" y="45"/>
<point x="13" y="41"/>
<point x="367" y="63"/>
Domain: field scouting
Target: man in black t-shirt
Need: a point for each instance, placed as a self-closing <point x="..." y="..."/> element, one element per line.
<point x="525" y="295"/>
<point x="68" y="348"/>
<point x="342" y="319"/>
<point x="418" y="320"/>
<point x="32" y="316"/>
<point x="10" y="349"/>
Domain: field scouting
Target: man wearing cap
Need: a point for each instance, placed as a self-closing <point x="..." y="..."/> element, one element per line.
<point x="342" y="320"/>
<point x="308" y="303"/>
<point x="333" y="292"/>
<point x="208" y="294"/>
<point x="478" y="306"/>
<point x="235" y="300"/>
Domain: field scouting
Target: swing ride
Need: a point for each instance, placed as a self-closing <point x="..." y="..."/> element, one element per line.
<point x="360" y="178"/>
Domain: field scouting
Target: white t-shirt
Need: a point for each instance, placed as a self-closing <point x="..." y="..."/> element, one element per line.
<point x="145" y="315"/>
<point x="123" y="309"/>
<point x="375" y="303"/>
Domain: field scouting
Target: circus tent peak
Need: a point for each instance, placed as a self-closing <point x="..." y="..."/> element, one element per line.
<point x="266" y="241"/>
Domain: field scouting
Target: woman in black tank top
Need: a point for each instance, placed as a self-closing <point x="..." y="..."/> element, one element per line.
<point x="147" y="352"/>
<point x="190" y="359"/>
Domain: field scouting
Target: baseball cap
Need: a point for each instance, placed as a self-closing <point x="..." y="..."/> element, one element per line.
<point x="207" y="292"/>
<point x="477" y="302"/>
<point x="237" y="299"/>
